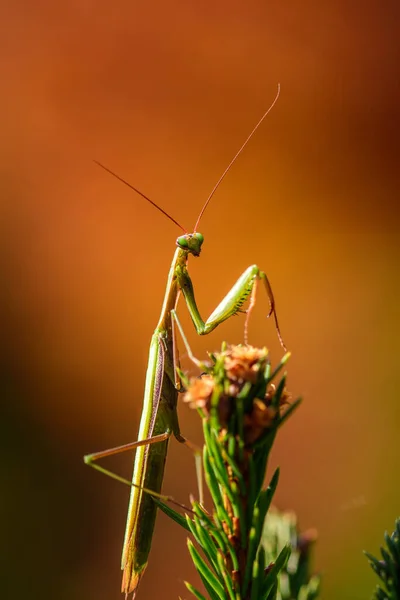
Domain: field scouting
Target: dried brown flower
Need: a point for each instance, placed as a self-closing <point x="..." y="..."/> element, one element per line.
<point x="238" y="365"/>
<point x="242" y="363"/>
<point x="199" y="393"/>
<point x="285" y="396"/>
<point x="260" y="419"/>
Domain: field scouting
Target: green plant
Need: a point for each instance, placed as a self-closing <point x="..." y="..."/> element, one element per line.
<point x="295" y="580"/>
<point x="388" y="568"/>
<point x="241" y="409"/>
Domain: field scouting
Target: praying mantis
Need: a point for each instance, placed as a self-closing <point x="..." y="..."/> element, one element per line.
<point x="159" y="420"/>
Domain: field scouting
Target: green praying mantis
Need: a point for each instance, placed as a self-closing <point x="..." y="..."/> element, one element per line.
<point x="159" y="420"/>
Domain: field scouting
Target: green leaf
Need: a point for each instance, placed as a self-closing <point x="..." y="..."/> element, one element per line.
<point x="217" y="463"/>
<point x="251" y="553"/>
<point x="273" y="592"/>
<point x="279" y="367"/>
<point x="258" y="575"/>
<point x="194" y="591"/>
<point x="219" y="535"/>
<point x="271" y="578"/>
<point x="391" y="544"/>
<point x="205" y="573"/>
<point x="170" y="512"/>
<point x="192" y="528"/>
<point x="215" y="491"/>
<point x="290" y="409"/>
<point x="235" y="469"/>
<point x="261" y="454"/>
<point x="270" y="491"/>
<point x="278" y="392"/>
<point x="380" y="594"/>
<point x="207" y="544"/>
<point x="226" y="577"/>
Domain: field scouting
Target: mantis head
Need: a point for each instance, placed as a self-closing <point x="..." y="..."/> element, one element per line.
<point x="191" y="242"/>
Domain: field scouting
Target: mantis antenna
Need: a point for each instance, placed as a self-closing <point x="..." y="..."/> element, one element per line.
<point x="140" y="194"/>
<point x="242" y="147"/>
<point x="216" y="186"/>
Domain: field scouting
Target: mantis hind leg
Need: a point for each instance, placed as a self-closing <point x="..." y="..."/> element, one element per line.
<point x="90" y="459"/>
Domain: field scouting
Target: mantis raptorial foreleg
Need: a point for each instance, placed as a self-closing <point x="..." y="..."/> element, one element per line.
<point x="245" y="286"/>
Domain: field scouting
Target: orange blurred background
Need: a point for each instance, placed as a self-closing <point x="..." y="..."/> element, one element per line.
<point x="165" y="93"/>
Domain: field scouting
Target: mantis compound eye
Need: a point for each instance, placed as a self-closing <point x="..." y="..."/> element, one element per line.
<point x="199" y="237"/>
<point x="182" y="242"/>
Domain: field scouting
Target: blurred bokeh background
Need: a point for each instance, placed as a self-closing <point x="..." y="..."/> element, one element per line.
<point x="165" y="93"/>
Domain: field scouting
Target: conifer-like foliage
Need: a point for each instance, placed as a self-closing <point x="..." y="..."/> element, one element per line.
<point x="238" y="554"/>
<point x="296" y="582"/>
<point x="388" y="567"/>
